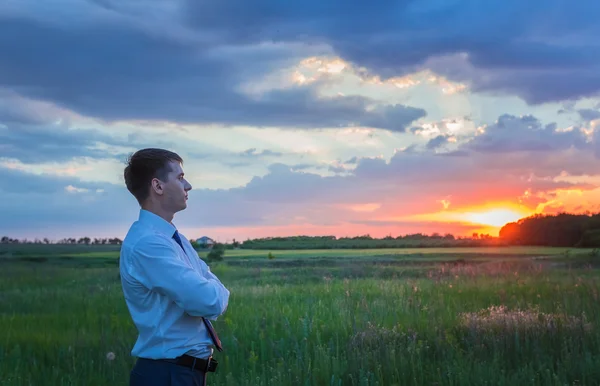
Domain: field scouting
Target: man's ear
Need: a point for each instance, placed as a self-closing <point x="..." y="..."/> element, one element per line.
<point x="157" y="186"/>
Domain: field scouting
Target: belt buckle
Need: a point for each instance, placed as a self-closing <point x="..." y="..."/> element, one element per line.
<point x="211" y="365"/>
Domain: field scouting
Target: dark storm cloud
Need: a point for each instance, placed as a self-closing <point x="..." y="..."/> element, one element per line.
<point x="114" y="69"/>
<point x="503" y="40"/>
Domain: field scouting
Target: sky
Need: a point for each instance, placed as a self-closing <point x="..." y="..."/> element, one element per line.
<point x="338" y="118"/>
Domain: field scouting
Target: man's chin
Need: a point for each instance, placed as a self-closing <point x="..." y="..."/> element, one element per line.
<point x="183" y="206"/>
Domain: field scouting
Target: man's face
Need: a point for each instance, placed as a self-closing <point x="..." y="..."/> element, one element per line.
<point x="175" y="189"/>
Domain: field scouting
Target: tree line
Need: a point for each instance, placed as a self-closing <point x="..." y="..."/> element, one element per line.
<point x="559" y="230"/>
<point x="70" y="240"/>
<point x="416" y="240"/>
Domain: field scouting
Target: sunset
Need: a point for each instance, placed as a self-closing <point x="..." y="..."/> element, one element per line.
<point x="392" y="192"/>
<point x="285" y="137"/>
<point x="490" y="216"/>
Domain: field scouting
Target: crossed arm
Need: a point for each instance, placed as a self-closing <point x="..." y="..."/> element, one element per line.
<point x="159" y="270"/>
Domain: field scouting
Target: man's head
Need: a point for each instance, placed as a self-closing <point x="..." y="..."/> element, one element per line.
<point x="155" y="178"/>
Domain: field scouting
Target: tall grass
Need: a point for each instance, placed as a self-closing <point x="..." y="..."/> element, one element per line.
<point x="447" y="323"/>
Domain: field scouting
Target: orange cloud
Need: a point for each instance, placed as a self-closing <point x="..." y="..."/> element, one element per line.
<point x="368" y="207"/>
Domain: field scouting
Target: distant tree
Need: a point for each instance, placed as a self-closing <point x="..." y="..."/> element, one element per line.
<point x="559" y="230"/>
<point x="217" y="252"/>
<point x="589" y="239"/>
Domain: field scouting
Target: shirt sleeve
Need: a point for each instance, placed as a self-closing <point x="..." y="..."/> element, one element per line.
<point x="157" y="267"/>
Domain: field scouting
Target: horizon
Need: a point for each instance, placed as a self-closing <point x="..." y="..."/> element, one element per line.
<point x="296" y="123"/>
<point x="229" y="239"/>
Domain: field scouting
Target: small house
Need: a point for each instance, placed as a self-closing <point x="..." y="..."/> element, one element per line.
<point x="205" y="242"/>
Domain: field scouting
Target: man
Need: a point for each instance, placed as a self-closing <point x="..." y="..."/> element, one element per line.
<point x="170" y="292"/>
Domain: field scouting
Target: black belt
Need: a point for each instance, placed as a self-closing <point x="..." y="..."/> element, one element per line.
<point x="204" y="365"/>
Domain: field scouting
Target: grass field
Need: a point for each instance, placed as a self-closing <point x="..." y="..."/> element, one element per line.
<point x="473" y="316"/>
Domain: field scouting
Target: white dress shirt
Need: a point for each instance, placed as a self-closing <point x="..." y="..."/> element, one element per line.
<point x="167" y="291"/>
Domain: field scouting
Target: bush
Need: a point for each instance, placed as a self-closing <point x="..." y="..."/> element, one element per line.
<point x="590" y="239"/>
<point x="271" y="256"/>
<point x="217" y="252"/>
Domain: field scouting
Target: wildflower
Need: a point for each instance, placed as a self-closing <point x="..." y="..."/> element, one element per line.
<point x="499" y="317"/>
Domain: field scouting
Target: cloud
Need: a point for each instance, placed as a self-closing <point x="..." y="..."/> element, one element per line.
<point x="15" y="109"/>
<point x="297" y="167"/>
<point x="597" y="143"/>
<point x="217" y="64"/>
<point x="301" y="107"/>
<point x="265" y="153"/>
<point x="242" y="159"/>
<point x="385" y="190"/>
<point x="114" y="67"/>
<point x="436" y="142"/>
<point x="36" y="132"/>
<point x="337" y="169"/>
<point x="589" y="114"/>
<point x="17" y="182"/>
<point x="35" y="144"/>
<point x="539" y="51"/>
<point x="414" y="182"/>
<point x="514" y="134"/>
<point x="196" y="68"/>
<point x="53" y="206"/>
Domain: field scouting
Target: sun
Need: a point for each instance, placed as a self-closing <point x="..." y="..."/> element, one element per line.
<point x="494" y="217"/>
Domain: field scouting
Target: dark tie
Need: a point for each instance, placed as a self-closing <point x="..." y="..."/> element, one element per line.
<point x="207" y="323"/>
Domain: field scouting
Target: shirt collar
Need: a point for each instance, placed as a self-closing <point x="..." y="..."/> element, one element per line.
<point x="157" y="222"/>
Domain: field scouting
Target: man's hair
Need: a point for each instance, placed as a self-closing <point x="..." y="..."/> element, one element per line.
<point x="143" y="166"/>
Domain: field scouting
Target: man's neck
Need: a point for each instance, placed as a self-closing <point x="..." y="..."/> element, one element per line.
<point x="165" y="215"/>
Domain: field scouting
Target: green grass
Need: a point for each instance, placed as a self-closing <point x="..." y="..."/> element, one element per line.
<point x="372" y="317"/>
<point x="489" y="251"/>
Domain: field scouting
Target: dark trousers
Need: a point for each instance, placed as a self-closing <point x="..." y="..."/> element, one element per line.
<point x="148" y="372"/>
